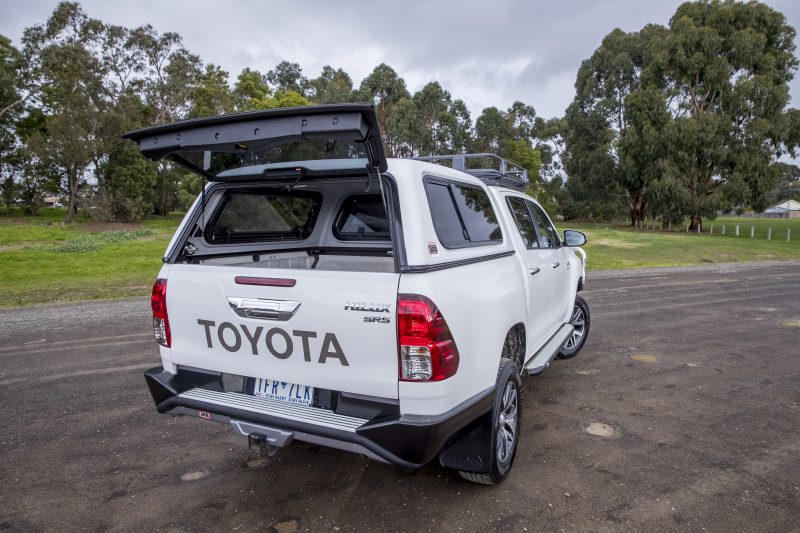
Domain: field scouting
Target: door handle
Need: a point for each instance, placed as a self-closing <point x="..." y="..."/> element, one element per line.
<point x="534" y="270"/>
<point x="281" y="310"/>
<point x="556" y="264"/>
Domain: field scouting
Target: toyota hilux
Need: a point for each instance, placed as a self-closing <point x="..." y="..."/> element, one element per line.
<point x="319" y="291"/>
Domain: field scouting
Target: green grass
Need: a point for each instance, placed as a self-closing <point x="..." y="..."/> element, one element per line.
<point x="617" y="247"/>
<point x="44" y="260"/>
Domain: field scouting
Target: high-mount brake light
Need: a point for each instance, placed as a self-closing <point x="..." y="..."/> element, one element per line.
<point x="158" y="302"/>
<point x="427" y="349"/>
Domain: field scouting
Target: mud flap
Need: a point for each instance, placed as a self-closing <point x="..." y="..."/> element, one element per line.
<point x="470" y="450"/>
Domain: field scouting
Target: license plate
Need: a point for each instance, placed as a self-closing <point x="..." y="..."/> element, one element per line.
<point x="284" y="391"/>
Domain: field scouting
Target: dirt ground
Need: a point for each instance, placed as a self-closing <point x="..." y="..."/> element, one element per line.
<point x="681" y="413"/>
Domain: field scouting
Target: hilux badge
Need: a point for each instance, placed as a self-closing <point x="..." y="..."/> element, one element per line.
<point x="372" y="308"/>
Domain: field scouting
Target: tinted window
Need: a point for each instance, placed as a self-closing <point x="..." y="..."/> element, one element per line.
<point x="445" y="217"/>
<point x="257" y="215"/>
<point x="362" y="217"/>
<point x="462" y="215"/>
<point x="477" y="213"/>
<point x="524" y="221"/>
<point x="548" y="238"/>
<point x="238" y="156"/>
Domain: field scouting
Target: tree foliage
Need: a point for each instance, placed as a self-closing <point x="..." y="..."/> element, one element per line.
<point x="685" y="120"/>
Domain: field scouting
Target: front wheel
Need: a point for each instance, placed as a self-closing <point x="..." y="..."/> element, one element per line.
<point x="579" y="321"/>
<point x="504" y="436"/>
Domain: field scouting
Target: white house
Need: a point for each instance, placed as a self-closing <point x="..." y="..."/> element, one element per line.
<point x="784" y="209"/>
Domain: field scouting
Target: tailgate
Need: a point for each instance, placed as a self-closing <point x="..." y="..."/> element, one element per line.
<point x="332" y="330"/>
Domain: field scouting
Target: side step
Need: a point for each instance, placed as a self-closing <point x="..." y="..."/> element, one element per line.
<point x="539" y="362"/>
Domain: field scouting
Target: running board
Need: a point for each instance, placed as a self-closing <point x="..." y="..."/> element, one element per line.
<point x="539" y="362"/>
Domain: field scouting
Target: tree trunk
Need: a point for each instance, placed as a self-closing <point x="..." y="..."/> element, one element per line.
<point x="697" y="222"/>
<point x="72" y="185"/>
<point x="637" y="207"/>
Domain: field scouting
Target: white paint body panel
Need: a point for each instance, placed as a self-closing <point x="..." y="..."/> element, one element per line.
<point x="481" y="302"/>
<point x="369" y="349"/>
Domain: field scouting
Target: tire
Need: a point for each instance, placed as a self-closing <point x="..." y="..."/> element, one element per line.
<point x="505" y="420"/>
<point x="580" y="320"/>
<point x="514" y="346"/>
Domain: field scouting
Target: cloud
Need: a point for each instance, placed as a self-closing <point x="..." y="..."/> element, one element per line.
<point x="485" y="54"/>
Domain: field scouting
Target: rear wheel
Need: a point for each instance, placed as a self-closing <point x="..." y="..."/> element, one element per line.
<point x="504" y="436"/>
<point x="514" y="346"/>
<point x="579" y="321"/>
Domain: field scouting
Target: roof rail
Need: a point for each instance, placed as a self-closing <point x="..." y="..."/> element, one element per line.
<point x="508" y="174"/>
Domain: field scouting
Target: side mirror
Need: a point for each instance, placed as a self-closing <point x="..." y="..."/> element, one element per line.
<point x="574" y="238"/>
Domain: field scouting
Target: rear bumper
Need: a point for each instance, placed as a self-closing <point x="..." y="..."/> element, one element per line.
<point x="404" y="440"/>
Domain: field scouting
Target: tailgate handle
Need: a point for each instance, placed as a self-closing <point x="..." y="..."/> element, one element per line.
<point x="281" y="310"/>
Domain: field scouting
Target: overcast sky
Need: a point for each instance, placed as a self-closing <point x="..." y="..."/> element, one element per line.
<point x="486" y="53"/>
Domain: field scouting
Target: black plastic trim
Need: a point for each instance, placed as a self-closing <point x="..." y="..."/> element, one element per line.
<point x="419" y="439"/>
<point x="422" y="269"/>
<point x="406" y="441"/>
<point x="395" y="221"/>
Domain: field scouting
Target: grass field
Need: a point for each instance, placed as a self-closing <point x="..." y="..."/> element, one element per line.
<point x="624" y="247"/>
<point x="44" y="260"/>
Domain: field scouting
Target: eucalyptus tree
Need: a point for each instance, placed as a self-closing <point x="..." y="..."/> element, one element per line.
<point x="605" y="81"/>
<point x="251" y="86"/>
<point x="9" y="94"/>
<point x="332" y="86"/>
<point x="510" y="134"/>
<point x="384" y="88"/>
<point x="286" y="77"/>
<point x="212" y="94"/>
<point x="728" y="65"/>
<point x="71" y="95"/>
<point x="426" y="124"/>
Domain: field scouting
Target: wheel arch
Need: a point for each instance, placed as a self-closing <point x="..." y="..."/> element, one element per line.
<point x="514" y="345"/>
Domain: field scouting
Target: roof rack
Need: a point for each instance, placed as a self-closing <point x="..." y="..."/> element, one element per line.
<point x="508" y="174"/>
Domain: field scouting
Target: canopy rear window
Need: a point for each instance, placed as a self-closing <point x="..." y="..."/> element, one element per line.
<point x="362" y="217"/>
<point x="263" y="215"/>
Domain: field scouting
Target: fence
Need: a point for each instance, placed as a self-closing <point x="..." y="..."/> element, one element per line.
<point x="745" y="230"/>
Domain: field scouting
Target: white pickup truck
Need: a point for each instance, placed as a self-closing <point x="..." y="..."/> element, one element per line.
<point x="318" y="291"/>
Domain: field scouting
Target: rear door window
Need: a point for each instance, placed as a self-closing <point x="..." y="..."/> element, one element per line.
<point x="362" y="218"/>
<point x="263" y="215"/>
<point x="462" y="214"/>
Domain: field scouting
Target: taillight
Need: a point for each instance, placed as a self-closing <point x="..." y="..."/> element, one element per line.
<point x="427" y="349"/>
<point x="158" y="302"/>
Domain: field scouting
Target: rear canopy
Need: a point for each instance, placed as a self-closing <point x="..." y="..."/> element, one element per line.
<point x="347" y="130"/>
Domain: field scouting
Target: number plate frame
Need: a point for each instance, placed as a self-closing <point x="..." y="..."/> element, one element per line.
<point x="283" y="391"/>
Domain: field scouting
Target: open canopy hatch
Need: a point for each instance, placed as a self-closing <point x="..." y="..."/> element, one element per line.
<point x="268" y="139"/>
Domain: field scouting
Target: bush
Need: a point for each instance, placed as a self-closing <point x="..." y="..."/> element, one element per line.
<point x="94" y="242"/>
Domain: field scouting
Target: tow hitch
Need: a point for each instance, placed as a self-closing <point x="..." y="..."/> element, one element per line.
<point x="257" y="441"/>
<point x="265" y="439"/>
